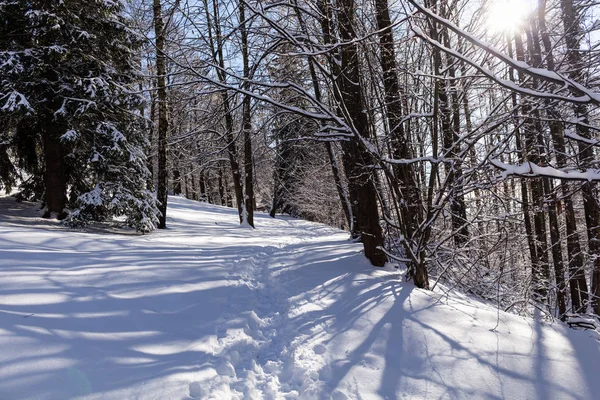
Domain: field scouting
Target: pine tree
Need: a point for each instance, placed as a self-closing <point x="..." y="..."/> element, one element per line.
<point x="69" y="69"/>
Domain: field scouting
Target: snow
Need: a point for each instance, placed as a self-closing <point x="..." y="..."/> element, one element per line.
<point x="93" y="197"/>
<point x="207" y="309"/>
<point x="573" y="135"/>
<point x="15" y="101"/>
<point x="531" y="169"/>
<point x="69" y="135"/>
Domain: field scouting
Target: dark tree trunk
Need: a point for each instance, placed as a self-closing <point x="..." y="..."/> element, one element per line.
<point x="54" y="175"/>
<point x="411" y="212"/>
<point x="216" y="44"/>
<point x="209" y="188"/>
<point x="247" y="127"/>
<point x="163" y="122"/>
<point x="222" y="197"/>
<point x="273" y="209"/>
<point x="193" y="185"/>
<point x="556" y="250"/>
<point x="186" y="179"/>
<point x="450" y="126"/>
<point x="571" y="22"/>
<point x="202" y="183"/>
<point x="358" y="162"/>
<point x="531" y="243"/>
<point x="248" y="165"/>
<point x="276" y="185"/>
<point x="573" y="250"/>
<point x="531" y="151"/>
<point x="176" y="181"/>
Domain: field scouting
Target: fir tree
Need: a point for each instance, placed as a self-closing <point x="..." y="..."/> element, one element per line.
<point x="70" y="70"/>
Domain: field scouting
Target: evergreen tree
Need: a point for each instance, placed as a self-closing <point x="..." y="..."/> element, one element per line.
<point x="69" y="69"/>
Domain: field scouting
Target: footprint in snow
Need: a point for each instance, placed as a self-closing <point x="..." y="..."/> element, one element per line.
<point x="319" y="349"/>
<point x="226" y="369"/>
<point x="196" y="391"/>
<point x="221" y="332"/>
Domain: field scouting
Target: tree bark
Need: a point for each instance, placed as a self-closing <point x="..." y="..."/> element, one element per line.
<point x="358" y="162"/>
<point x="202" y="184"/>
<point x="176" y="181"/>
<point x="576" y="278"/>
<point x="531" y="151"/>
<point x="54" y="176"/>
<point x="193" y="184"/>
<point x="411" y="211"/>
<point x="248" y="213"/>
<point x="571" y="22"/>
<point x="222" y="197"/>
<point x="163" y="121"/>
<point x="525" y="205"/>
<point x="450" y="127"/>
<point x="216" y="44"/>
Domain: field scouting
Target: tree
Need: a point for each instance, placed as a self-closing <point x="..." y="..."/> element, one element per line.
<point x="69" y="94"/>
<point x="572" y="26"/>
<point x="163" y="119"/>
<point x="249" y="200"/>
<point x="410" y="201"/>
<point x="358" y="161"/>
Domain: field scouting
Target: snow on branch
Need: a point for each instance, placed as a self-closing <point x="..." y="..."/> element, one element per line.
<point x="583" y="94"/>
<point x="529" y="169"/>
<point x="574" y="136"/>
<point x="15" y="101"/>
<point x="502" y="82"/>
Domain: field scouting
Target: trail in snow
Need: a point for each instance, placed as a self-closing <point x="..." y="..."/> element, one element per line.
<point x="210" y="310"/>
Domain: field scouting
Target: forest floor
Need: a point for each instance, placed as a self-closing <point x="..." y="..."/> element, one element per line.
<point x="210" y="310"/>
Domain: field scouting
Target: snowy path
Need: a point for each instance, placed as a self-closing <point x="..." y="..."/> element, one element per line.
<point x="208" y="310"/>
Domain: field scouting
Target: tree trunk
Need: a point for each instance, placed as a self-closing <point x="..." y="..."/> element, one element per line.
<point x="216" y="45"/>
<point x="358" y="162"/>
<point x="531" y="243"/>
<point x="54" y="176"/>
<point x="193" y="184"/>
<point x="222" y="197"/>
<point x="202" y="184"/>
<point x="163" y="122"/>
<point x="450" y="127"/>
<point x="176" y="181"/>
<point x="152" y="140"/>
<point x="411" y="212"/>
<point x="186" y="182"/>
<point x="573" y="248"/>
<point x="571" y="22"/>
<point x="531" y="151"/>
<point x="247" y="127"/>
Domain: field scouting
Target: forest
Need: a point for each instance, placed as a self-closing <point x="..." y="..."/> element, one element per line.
<point x="458" y="139"/>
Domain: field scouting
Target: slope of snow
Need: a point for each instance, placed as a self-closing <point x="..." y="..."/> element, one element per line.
<point x="210" y="310"/>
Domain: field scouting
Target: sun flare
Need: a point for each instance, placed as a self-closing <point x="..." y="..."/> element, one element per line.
<point x="507" y="15"/>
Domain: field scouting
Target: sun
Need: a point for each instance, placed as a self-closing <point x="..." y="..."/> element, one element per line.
<point x="507" y="15"/>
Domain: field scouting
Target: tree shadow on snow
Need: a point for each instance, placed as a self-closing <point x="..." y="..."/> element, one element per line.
<point x="404" y="347"/>
<point x="144" y="311"/>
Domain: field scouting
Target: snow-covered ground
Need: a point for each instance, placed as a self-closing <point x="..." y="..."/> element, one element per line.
<point x="210" y="310"/>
